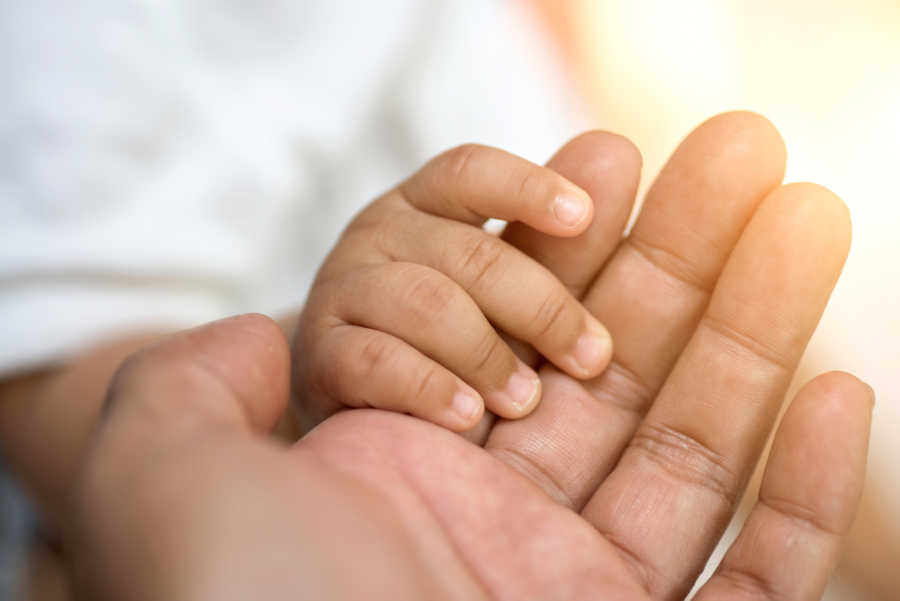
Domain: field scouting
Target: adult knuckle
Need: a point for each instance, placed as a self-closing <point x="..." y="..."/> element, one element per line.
<point x="747" y="581"/>
<point x="155" y="381"/>
<point x="129" y="369"/>
<point x="624" y="387"/>
<point x="130" y="373"/>
<point x="806" y="514"/>
<point x="688" y="460"/>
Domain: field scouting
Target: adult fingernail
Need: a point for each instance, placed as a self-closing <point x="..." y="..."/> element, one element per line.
<point x="523" y="388"/>
<point x="593" y="349"/>
<point x="467" y="405"/>
<point x="570" y="210"/>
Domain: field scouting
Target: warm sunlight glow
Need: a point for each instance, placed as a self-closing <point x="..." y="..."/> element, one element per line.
<point x="828" y="76"/>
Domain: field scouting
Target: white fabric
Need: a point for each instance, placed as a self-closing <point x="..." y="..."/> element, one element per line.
<point x="166" y="163"/>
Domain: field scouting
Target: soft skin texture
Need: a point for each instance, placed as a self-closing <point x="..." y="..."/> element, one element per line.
<point x="402" y="314"/>
<point x="616" y="487"/>
<point x="62" y="402"/>
<point x="184" y="496"/>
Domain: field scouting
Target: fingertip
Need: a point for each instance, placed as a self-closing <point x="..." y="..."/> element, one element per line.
<point x="819" y="206"/>
<point x="246" y="357"/>
<point x="750" y="133"/>
<point x="597" y="150"/>
<point x="520" y="395"/>
<point x="607" y="167"/>
<point x="552" y="204"/>
<point x="729" y="155"/>
<point x="839" y="387"/>
<point x="466" y="409"/>
<point x="826" y="478"/>
<point x="262" y="361"/>
<point x="592" y="352"/>
<point x="572" y="211"/>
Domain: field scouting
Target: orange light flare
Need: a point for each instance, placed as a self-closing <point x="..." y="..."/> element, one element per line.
<point x="827" y="74"/>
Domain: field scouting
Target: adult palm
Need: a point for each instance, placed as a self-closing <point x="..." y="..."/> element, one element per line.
<point x="617" y="488"/>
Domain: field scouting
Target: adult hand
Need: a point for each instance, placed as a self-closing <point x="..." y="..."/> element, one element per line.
<point x="617" y="488"/>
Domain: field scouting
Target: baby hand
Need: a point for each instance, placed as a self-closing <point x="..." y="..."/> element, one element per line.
<point x="401" y="315"/>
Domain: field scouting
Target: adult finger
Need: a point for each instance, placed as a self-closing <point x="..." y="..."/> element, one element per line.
<point x="472" y="183"/>
<point x="650" y="295"/>
<point x="608" y="168"/>
<point x="693" y="453"/>
<point x="791" y="541"/>
<point x="233" y="372"/>
<point x="228" y="378"/>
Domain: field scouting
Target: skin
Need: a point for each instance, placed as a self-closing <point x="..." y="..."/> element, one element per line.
<point x="183" y="465"/>
<point x="429" y="345"/>
<point x="420" y="252"/>
<point x="614" y="487"/>
<point x="43" y="401"/>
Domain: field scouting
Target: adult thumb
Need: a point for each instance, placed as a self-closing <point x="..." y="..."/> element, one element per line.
<point x="234" y="372"/>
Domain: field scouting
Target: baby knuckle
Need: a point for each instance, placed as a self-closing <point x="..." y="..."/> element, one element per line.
<point x="532" y="184"/>
<point x="427" y="382"/>
<point x="456" y="161"/>
<point x="375" y="356"/>
<point x="430" y="294"/>
<point x="479" y="260"/>
<point x="379" y="229"/>
<point x="487" y="351"/>
<point x="550" y="313"/>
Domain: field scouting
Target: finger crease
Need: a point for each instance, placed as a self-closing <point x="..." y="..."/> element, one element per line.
<point x="688" y="460"/>
<point x="640" y="568"/>
<point x="494" y="344"/>
<point x="801" y="514"/>
<point x="459" y="160"/>
<point x="623" y="388"/>
<point x="749" y="582"/>
<point x="463" y="558"/>
<point x="537" y="473"/>
<point x="548" y="315"/>
<point x="525" y="182"/>
<point x="425" y="383"/>
<point x="749" y="343"/>
<point x="479" y="260"/>
<point x="670" y="263"/>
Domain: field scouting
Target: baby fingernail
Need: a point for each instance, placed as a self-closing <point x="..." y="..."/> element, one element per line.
<point x="523" y="388"/>
<point x="593" y="349"/>
<point x="569" y="209"/>
<point x="467" y="405"/>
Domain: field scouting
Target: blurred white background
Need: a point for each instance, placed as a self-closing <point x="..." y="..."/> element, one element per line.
<point x="827" y="74"/>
